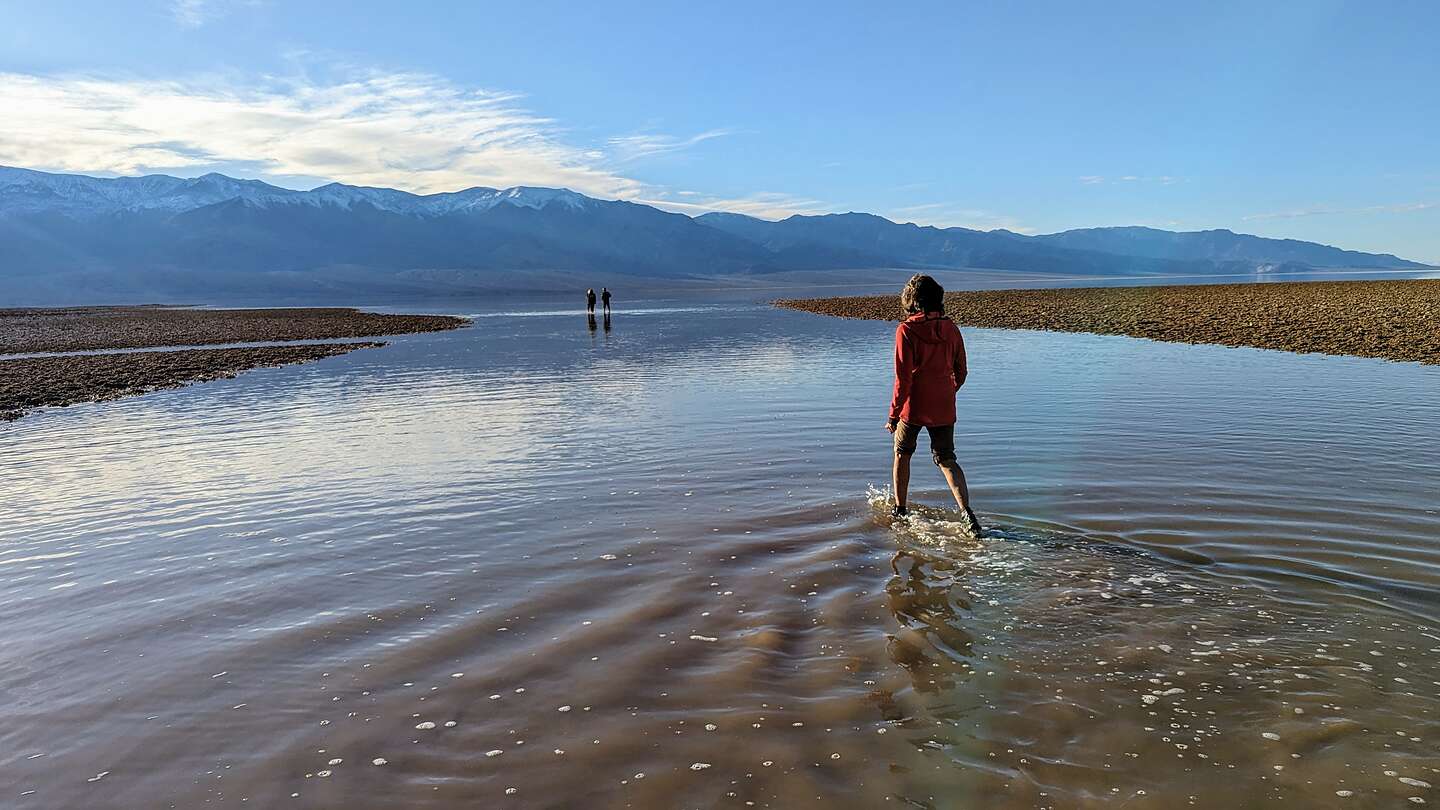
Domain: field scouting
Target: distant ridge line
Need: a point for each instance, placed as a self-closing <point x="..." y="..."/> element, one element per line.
<point x="188" y="237"/>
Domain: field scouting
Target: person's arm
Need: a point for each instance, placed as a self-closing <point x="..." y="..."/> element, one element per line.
<point x="961" y="369"/>
<point x="904" y="374"/>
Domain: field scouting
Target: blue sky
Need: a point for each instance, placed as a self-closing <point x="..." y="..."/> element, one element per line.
<point x="1315" y="120"/>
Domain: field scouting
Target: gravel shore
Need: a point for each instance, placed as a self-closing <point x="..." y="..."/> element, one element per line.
<point x="35" y="382"/>
<point x="1394" y="320"/>
<point x="91" y="328"/>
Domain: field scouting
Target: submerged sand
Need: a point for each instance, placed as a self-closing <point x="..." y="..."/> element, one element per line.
<point x="1394" y="320"/>
<point x="34" y="382"/>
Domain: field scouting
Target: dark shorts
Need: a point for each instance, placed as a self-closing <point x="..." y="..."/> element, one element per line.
<point x="942" y="441"/>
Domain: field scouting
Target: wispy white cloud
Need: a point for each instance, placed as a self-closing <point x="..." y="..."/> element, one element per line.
<point x="188" y="13"/>
<point x="1100" y="179"/>
<point x="951" y="215"/>
<point x="916" y="209"/>
<point x="1395" y="208"/>
<point x="625" y="148"/>
<point x="195" y="13"/>
<point x="765" y="205"/>
<point x="408" y="130"/>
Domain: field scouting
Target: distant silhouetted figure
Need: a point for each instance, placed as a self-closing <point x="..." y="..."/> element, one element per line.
<point x="590" y="300"/>
<point x="604" y="299"/>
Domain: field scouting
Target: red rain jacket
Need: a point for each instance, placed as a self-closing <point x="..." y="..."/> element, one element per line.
<point x="929" y="369"/>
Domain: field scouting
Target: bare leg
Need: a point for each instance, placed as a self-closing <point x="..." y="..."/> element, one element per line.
<point x="955" y="477"/>
<point x="900" y="479"/>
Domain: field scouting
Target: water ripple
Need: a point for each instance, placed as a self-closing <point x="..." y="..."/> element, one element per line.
<point x="640" y="568"/>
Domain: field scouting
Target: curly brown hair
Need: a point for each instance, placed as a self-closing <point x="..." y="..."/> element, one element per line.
<point x="922" y="294"/>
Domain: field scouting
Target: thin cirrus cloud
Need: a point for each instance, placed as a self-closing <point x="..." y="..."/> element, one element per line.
<point x="411" y="131"/>
<point x="625" y="148"/>
<point x="1397" y="208"/>
<point x="950" y="215"/>
<point x="766" y="205"/>
<point x="195" y="13"/>
<point x="1099" y="179"/>
<point x="191" y="13"/>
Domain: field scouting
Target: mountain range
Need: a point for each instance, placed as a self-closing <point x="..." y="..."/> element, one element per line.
<point x="160" y="236"/>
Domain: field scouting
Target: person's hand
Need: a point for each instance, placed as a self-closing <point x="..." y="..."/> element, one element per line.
<point x="890" y="425"/>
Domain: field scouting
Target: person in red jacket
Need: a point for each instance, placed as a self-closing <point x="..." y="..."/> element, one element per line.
<point x="929" y="369"/>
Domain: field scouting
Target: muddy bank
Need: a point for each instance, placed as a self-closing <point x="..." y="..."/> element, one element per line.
<point x="1394" y="320"/>
<point x="38" y="382"/>
<point x="91" y="328"/>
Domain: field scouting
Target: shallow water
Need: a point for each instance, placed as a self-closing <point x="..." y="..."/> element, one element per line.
<point x="648" y="568"/>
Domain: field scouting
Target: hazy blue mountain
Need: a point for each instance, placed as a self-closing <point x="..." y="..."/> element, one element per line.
<point x="71" y="236"/>
<point x="1216" y="245"/>
<point x="1103" y="251"/>
<point x="143" y="228"/>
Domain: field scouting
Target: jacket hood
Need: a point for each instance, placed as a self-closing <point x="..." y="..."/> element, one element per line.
<point x="926" y="328"/>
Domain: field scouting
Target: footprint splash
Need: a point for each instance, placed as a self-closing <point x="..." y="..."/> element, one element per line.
<point x="927" y="524"/>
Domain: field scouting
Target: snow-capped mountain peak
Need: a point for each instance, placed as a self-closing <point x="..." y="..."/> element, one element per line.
<point x="533" y="197"/>
<point x="347" y="196"/>
<point x="28" y="191"/>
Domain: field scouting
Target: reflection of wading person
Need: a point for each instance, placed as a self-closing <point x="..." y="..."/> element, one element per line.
<point x="929" y="369"/>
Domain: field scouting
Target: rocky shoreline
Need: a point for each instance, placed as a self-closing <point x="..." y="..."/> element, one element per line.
<point x="1394" y="320"/>
<point x="38" y="382"/>
<point x="28" y="383"/>
<point x="80" y="329"/>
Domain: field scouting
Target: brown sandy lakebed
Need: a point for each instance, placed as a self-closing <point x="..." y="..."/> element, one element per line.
<point x="1394" y="320"/>
<point x="27" y="383"/>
